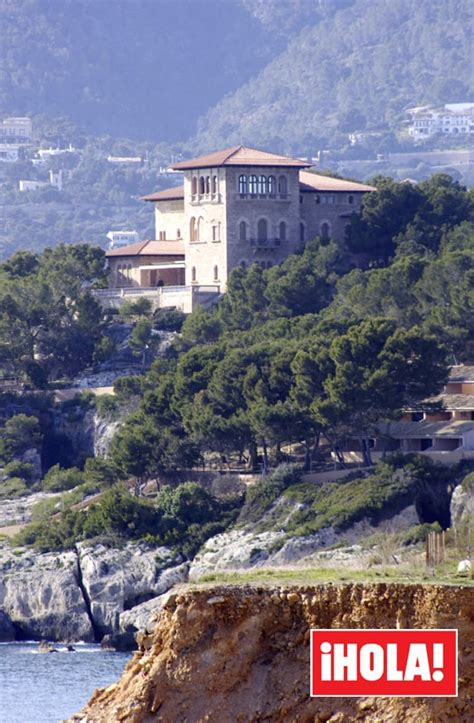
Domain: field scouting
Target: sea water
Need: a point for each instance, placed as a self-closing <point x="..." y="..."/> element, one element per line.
<point x="38" y="687"/>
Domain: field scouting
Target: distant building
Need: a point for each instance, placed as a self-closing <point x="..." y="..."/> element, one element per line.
<point x="125" y="160"/>
<point x="16" y="129"/>
<point x="31" y="185"/>
<point x="446" y="435"/>
<point x="9" y="152"/>
<point x="117" y="239"/>
<point x="453" y="118"/>
<point x="236" y="207"/>
<point x="45" y="153"/>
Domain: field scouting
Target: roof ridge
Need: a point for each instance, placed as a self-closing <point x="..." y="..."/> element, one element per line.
<point x="233" y="151"/>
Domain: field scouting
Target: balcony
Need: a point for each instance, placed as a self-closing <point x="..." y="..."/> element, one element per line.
<point x="265" y="243"/>
<point x="198" y="198"/>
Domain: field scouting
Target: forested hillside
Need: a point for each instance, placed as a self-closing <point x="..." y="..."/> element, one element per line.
<point x="357" y="69"/>
<point x="300" y="353"/>
<point x="140" y="69"/>
<point x="289" y="75"/>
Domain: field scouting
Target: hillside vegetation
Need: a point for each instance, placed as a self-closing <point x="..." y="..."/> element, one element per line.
<point x="289" y="75"/>
<point x="309" y="353"/>
<point x="357" y="69"/>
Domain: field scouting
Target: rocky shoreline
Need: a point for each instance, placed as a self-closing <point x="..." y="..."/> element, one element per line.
<point x="91" y="593"/>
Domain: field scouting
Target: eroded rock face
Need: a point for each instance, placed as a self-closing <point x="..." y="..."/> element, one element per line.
<point x="81" y="595"/>
<point x="231" y="654"/>
<point x="462" y="506"/>
<point x="40" y="595"/>
<point x="119" y="579"/>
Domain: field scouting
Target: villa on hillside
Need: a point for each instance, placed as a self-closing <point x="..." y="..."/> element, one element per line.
<point x="235" y="207"/>
<point x="442" y="428"/>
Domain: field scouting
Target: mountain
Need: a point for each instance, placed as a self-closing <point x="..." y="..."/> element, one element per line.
<point x="143" y="69"/>
<point x="357" y="69"/>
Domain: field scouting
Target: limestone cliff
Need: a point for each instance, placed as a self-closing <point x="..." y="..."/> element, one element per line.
<point x="231" y="654"/>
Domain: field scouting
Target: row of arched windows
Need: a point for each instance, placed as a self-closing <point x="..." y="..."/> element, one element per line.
<point x="262" y="231"/>
<point x="204" y="185"/>
<point x="263" y="185"/>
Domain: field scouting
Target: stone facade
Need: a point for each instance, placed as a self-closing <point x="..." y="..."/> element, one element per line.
<point x="238" y="207"/>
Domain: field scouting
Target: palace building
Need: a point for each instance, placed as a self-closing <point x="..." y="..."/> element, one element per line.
<point x="235" y="207"/>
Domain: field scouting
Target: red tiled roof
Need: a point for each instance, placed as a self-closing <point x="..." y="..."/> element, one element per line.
<point x="240" y="156"/>
<point x="169" y="194"/>
<point x="314" y="182"/>
<point x="150" y="248"/>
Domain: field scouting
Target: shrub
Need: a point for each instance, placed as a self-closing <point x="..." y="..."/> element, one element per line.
<point x="13" y="487"/>
<point x="127" y="387"/>
<point x="141" y="307"/>
<point x="106" y="405"/>
<point x="100" y="473"/>
<point x="260" y="496"/>
<point x="168" y="319"/>
<point x="58" y="479"/>
<point x="19" y="433"/>
<point x="17" y="468"/>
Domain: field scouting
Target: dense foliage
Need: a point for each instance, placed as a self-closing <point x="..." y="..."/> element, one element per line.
<point x="356" y="70"/>
<point x="50" y="325"/>
<point x="183" y="517"/>
<point x="306" y="349"/>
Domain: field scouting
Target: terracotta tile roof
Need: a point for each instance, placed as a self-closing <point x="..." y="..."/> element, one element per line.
<point x="149" y="248"/>
<point x="462" y="373"/>
<point x="313" y="182"/>
<point x="240" y="156"/>
<point x="168" y="194"/>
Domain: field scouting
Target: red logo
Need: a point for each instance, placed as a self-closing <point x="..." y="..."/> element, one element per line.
<point x="357" y="663"/>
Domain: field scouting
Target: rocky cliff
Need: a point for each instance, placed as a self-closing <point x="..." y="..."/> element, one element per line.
<point x="231" y="654"/>
<point x="82" y="594"/>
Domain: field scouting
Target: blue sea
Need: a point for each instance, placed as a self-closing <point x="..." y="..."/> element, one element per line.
<point x="49" y="687"/>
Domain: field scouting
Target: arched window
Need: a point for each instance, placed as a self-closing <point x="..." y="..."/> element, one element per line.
<point x="119" y="275"/>
<point x="325" y="230"/>
<point x="194" y="185"/>
<point x="208" y="184"/>
<point x="302" y="232"/>
<point x="317" y="199"/>
<point x="214" y="184"/>
<point x="243" y="265"/>
<point x="262" y="229"/>
<point x="202" y="185"/>
<point x="200" y="229"/>
<point x="192" y="229"/>
<point x="253" y="183"/>
<point x="271" y="185"/>
<point x="262" y="185"/>
<point x="301" y="198"/>
<point x="282" y="186"/>
<point x="282" y="231"/>
<point x="129" y="275"/>
<point x="350" y="199"/>
<point x="178" y="233"/>
<point x="193" y="273"/>
<point x="243" y="185"/>
<point x="216" y="273"/>
<point x="242" y="231"/>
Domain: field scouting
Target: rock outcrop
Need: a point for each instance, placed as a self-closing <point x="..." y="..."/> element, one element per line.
<point x="40" y="595"/>
<point x="81" y="594"/>
<point x="230" y="654"/>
